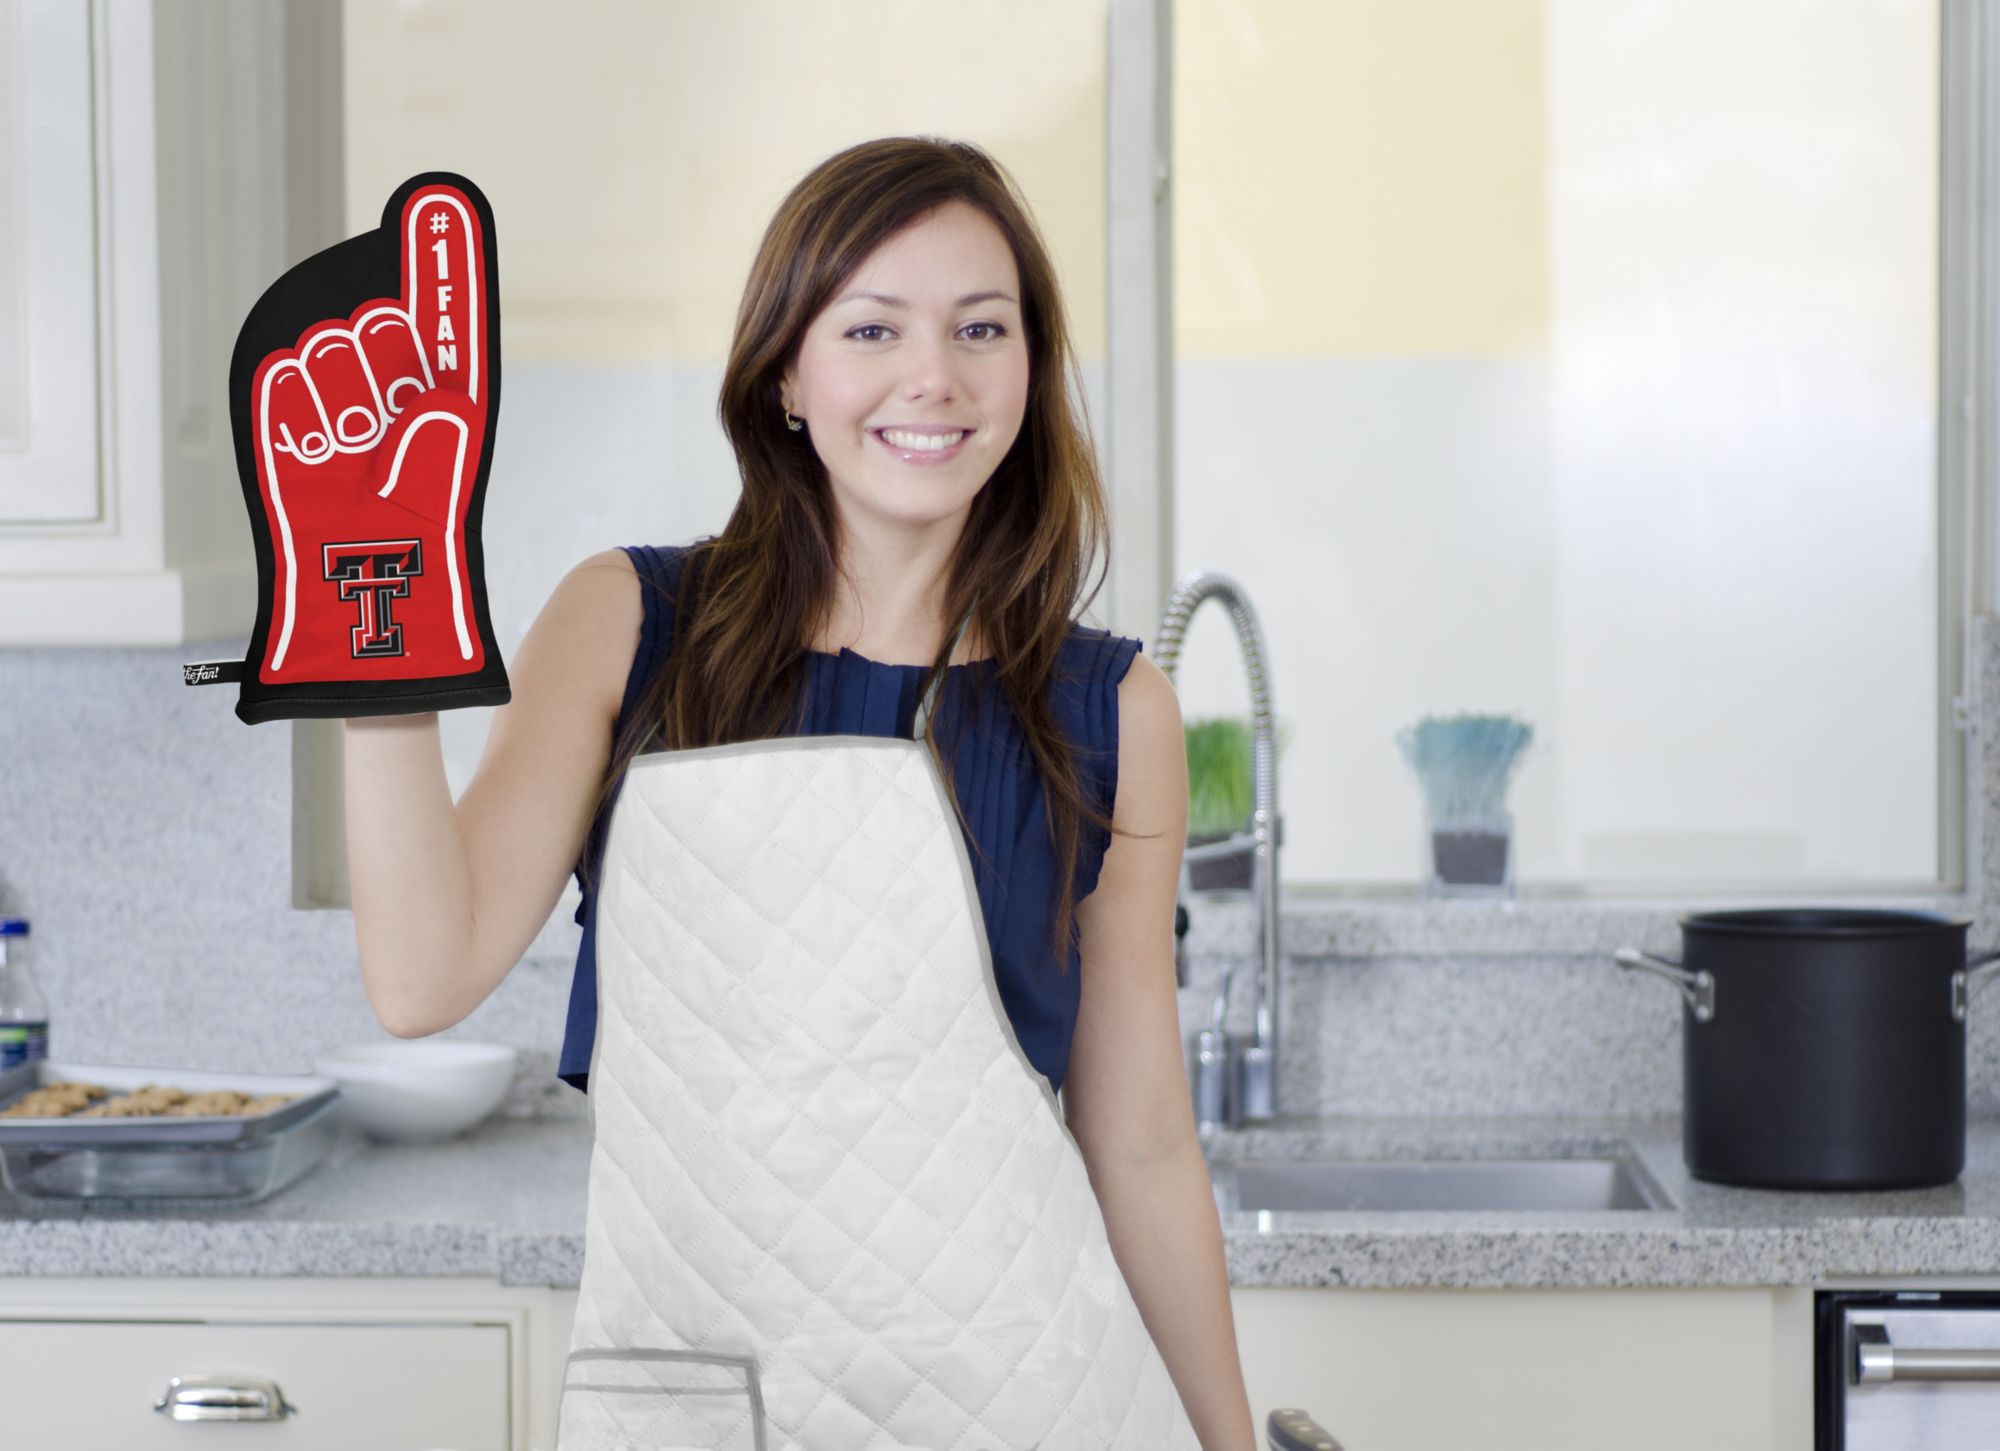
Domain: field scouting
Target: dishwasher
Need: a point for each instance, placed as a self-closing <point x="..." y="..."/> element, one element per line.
<point x="1906" y="1370"/>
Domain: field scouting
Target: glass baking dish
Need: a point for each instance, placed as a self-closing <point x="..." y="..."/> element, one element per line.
<point x="213" y="1159"/>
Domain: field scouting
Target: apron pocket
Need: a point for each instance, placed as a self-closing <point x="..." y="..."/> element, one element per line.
<point x="673" y="1400"/>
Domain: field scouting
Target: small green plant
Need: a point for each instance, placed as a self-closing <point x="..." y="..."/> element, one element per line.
<point x="1221" y="791"/>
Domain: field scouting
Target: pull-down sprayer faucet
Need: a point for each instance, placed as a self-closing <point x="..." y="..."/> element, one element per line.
<point x="1233" y="1079"/>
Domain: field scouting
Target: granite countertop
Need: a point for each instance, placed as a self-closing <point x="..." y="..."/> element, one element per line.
<point x="506" y="1201"/>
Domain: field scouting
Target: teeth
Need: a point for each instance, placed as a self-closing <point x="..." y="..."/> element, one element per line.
<point x="925" y="442"/>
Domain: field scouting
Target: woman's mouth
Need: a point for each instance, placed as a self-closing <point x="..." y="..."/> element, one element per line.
<point x="921" y="448"/>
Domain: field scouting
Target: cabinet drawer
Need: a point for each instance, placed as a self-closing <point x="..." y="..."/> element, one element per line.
<point x="388" y="1386"/>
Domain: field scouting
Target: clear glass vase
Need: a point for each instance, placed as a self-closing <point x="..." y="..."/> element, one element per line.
<point x="1470" y="856"/>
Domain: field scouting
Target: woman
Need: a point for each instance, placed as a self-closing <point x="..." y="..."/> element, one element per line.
<point x="918" y="503"/>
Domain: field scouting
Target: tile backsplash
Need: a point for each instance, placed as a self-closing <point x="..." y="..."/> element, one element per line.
<point x="146" y="833"/>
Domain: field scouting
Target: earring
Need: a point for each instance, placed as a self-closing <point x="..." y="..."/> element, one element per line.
<point x="795" y="424"/>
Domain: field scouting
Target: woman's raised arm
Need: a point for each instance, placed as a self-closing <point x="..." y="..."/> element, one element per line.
<point x="447" y="898"/>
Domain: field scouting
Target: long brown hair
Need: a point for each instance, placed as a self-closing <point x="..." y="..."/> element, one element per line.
<point x="750" y="598"/>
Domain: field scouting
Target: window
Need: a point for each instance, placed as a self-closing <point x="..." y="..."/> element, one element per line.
<point x="1587" y="361"/>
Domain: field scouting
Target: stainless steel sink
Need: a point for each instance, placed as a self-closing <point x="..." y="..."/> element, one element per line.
<point x="1323" y="1185"/>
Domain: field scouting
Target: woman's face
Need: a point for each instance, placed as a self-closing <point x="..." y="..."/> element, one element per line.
<point x="946" y="359"/>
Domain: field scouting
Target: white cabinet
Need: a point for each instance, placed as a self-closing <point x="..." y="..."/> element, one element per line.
<point x="1534" y="1370"/>
<point x="159" y="166"/>
<point x="386" y="1363"/>
<point x="397" y="1364"/>
<point x="48" y="273"/>
<point x="321" y="1385"/>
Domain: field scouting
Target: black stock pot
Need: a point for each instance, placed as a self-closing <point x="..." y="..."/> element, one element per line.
<point x="1822" y="1048"/>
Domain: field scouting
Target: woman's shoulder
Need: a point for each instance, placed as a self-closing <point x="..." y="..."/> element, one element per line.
<point x="616" y="560"/>
<point x="1097" y="658"/>
<point x="1130" y="701"/>
<point x="614" y="610"/>
<point x="657" y="568"/>
<point x="1089" y="679"/>
<point x="659" y="562"/>
<point x="597" y="595"/>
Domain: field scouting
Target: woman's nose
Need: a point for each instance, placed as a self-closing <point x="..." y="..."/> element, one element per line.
<point x="933" y="370"/>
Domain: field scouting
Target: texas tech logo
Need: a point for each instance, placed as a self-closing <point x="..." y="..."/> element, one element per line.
<point x="372" y="575"/>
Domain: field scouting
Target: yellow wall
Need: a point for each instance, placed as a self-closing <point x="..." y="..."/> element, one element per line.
<point x="1350" y="177"/>
<point x="633" y="152"/>
<point x="1358" y="177"/>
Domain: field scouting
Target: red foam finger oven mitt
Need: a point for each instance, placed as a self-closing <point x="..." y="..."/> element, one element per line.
<point x="364" y="391"/>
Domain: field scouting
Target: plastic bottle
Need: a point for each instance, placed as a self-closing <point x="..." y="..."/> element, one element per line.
<point x="24" y="1012"/>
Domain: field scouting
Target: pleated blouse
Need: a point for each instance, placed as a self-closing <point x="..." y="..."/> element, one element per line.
<point x="996" y="780"/>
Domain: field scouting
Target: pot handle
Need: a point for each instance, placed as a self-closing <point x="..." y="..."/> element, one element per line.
<point x="1697" y="987"/>
<point x="1968" y="977"/>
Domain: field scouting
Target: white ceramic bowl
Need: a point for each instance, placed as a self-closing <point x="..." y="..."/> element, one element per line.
<point x="418" y="1090"/>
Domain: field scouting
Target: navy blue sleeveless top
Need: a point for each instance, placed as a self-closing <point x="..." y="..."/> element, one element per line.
<point x="997" y="783"/>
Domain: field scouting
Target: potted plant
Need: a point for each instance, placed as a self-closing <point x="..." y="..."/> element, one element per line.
<point x="1221" y="796"/>
<point x="1463" y="764"/>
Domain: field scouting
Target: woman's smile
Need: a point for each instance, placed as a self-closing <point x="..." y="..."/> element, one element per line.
<point x="910" y="451"/>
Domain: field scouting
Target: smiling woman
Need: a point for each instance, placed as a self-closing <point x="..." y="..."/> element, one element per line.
<point x="941" y="486"/>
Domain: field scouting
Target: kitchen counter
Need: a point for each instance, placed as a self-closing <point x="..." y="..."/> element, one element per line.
<point x="507" y="1202"/>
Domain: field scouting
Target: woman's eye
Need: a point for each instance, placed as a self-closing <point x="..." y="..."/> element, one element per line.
<point x="996" y="331"/>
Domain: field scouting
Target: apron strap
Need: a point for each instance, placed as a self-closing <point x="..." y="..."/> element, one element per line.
<point x="929" y="702"/>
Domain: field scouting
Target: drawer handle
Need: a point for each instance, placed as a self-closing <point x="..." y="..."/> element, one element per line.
<point x="1875" y="1359"/>
<point x="224" y="1398"/>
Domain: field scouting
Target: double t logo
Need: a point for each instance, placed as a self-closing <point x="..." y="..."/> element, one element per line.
<point x="372" y="574"/>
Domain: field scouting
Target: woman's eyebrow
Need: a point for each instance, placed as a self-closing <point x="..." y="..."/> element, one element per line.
<point x="888" y="301"/>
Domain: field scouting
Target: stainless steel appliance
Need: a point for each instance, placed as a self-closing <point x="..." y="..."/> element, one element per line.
<point x="1907" y="1370"/>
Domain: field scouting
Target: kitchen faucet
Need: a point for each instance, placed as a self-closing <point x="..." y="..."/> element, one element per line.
<point x="1233" y="1079"/>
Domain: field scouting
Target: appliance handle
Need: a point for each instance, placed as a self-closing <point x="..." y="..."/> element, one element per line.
<point x="1876" y="1360"/>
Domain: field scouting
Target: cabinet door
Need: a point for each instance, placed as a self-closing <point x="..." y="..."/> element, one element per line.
<point x="48" y="253"/>
<point x="384" y="1386"/>
<point x="1530" y="1370"/>
<point x="152" y="159"/>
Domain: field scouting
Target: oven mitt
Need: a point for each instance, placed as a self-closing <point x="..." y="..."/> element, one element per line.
<point x="364" y="391"/>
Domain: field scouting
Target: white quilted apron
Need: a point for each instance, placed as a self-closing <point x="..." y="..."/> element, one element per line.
<point x="832" y="1204"/>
